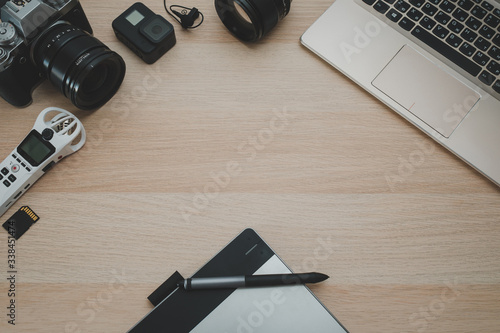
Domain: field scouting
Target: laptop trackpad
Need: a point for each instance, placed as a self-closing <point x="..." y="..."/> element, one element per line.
<point x="423" y="88"/>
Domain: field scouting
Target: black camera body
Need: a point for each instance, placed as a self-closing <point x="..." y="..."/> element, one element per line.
<point x="52" y="39"/>
<point x="147" y="34"/>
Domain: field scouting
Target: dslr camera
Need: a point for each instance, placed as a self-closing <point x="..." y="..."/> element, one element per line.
<point x="52" y="39"/>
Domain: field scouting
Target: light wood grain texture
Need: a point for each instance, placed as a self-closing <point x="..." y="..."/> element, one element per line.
<point x="139" y="201"/>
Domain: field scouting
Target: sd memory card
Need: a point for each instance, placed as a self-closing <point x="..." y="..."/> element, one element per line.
<point x="20" y="222"/>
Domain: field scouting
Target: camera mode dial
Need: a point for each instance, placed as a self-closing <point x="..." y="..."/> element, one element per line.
<point x="7" y="33"/>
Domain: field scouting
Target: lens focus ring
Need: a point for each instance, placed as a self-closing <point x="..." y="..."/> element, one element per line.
<point x="283" y="7"/>
<point x="258" y="19"/>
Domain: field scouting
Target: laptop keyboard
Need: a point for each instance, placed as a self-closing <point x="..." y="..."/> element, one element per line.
<point x="466" y="32"/>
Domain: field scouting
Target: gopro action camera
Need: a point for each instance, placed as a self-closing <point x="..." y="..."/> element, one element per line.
<point x="52" y="39"/>
<point x="149" y="35"/>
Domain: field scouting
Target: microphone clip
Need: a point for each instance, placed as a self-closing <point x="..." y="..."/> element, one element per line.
<point x="185" y="16"/>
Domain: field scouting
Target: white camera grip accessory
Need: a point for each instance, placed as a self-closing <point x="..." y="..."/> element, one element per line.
<point x="56" y="134"/>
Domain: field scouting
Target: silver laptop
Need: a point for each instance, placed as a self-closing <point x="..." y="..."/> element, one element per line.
<point x="435" y="62"/>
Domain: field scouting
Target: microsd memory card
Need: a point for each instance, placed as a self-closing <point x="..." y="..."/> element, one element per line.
<point x="20" y="222"/>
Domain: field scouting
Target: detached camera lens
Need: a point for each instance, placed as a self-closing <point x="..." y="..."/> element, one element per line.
<point x="250" y="20"/>
<point x="84" y="69"/>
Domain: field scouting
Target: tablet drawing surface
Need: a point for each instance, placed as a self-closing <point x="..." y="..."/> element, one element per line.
<point x="245" y="310"/>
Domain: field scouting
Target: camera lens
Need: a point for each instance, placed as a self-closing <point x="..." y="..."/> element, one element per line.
<point x="94" y="80"/>
<point x="94" y="83"/>
<point x="84" y="69"/>
<point x="250" y="20"/>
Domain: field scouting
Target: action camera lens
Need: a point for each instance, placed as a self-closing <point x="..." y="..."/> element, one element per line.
<point x="156" y="30"/>
<point x="84" y="69"/>
<point x="250" y="20"/>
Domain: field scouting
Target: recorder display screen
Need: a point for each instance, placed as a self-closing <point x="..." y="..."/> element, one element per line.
<point x="34" y="149"/>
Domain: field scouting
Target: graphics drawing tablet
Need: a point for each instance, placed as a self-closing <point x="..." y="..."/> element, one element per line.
<point x="245" y="310"/>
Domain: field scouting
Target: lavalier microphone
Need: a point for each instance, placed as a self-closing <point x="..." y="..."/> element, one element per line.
<point x="184" y="15"/>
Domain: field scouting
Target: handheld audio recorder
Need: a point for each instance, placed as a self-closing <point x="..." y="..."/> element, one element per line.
<point x="56" y="134"/>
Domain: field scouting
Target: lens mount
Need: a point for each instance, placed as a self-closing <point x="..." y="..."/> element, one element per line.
<point x="250" y="20"/>
<point x="85" y="70"/>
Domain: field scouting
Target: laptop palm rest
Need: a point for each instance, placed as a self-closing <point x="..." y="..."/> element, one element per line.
<point x="426" y="90"/>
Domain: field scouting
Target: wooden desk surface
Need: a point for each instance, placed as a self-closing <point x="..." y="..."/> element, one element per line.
<point x="219" y="136"/>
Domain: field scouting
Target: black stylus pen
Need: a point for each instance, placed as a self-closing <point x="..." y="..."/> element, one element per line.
<point x="230" y="282"/>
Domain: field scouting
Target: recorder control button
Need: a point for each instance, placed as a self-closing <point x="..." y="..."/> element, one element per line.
<point x="6" y="183"/>
<point x="47" y="134"/>
<point x="12" y="178"/>
<point x="1" y="177"/>
<point x="15" y="168"/>
<point x="5" y="171"/>
<point x="49" y="166"/>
